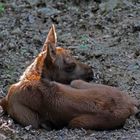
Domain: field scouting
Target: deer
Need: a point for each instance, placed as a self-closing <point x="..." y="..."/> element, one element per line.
<point x="41" y="99"/>
<point x="61" y="66"/>
<point x="43" y="102"/>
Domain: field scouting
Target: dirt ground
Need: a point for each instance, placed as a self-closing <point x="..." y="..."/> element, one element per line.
<point x="102" y="34"/>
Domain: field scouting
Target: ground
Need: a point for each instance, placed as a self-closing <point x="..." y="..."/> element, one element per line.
<point x="105" y="35"/>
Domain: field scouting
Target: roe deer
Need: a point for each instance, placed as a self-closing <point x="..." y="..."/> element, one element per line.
<point x="42" y="102"/>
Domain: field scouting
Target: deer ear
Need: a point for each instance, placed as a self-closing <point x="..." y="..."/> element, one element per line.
<point x="51" y="55"/>
<point x="51" y="38"/>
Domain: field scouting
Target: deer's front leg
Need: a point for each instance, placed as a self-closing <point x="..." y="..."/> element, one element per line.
<point x="25" y="116"/>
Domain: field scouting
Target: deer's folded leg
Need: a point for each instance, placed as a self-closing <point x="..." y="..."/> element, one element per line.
<point x="96" y="122"/>
<point x="24" y="115"/>
<point x="80" y="84"/>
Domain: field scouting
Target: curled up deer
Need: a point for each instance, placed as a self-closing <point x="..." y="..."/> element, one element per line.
<point x="42" y="98"/>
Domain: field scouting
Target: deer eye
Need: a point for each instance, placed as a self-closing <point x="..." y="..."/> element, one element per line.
<point x="70" y="67"/>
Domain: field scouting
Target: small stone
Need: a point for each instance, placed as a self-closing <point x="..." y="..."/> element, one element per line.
<point x="95" y="7"/>
<point x="31" y="19"/>
<point x="1" y="111"/>
<point x="25" y="137"/>
<point x="11" y="45"/>
<point x="16" y="31"/>
<point x="2" y="137"/>
<point x="10" y="122"/>
<point x="28" y="127"/>
<point x="48" y="11"/>
<point x="60" y="6"/>
<point x="13" y="5"/>
<point x="109" y="5"/>
<point x="33" y="2"/>
<point x="136" y="26"/>
<point x="3" y="34"/>
<point x="36" y="38"/>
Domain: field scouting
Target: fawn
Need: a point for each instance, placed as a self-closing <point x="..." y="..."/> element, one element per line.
<point x="45" y="103"/>
<point x="39" y="101"/>
<point x="61" y="65"/>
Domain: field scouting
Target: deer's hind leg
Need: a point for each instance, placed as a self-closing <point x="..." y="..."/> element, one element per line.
<point x="24" y="115"/>
<point x="80" y="84"/>
<point x="96" y="122"/>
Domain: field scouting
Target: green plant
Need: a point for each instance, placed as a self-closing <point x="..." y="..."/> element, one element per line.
<point x="1" y="8"/>
<point x="84" y="39"/>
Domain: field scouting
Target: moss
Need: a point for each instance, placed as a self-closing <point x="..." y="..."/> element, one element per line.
<point x="1" y="8"/>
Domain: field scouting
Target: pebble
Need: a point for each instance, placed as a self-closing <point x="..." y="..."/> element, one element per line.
<point x="33" y="2"/>
<point x="136" y="26"/>
<point x="31" y="19"/>
<point x="47" y="11"/>
<point x="16" y="31"/>
<point x="2" y="137"/>
<point x="28" y="127"/>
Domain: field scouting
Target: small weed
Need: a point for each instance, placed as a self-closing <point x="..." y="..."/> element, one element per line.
<point x="83" y="46"/>
<point x="1" y="8"/>
<point x="84" y="39"/>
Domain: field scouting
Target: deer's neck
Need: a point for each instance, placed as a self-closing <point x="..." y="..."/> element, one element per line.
<point x="31" y="73"/>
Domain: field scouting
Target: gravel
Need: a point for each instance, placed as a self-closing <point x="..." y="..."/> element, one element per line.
<point x="106" y="39"/>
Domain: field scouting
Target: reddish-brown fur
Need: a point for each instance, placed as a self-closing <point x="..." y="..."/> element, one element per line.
<point x="38" y="101"/>
<point x="81" y="105"/>
<point x="61" y="66"/>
